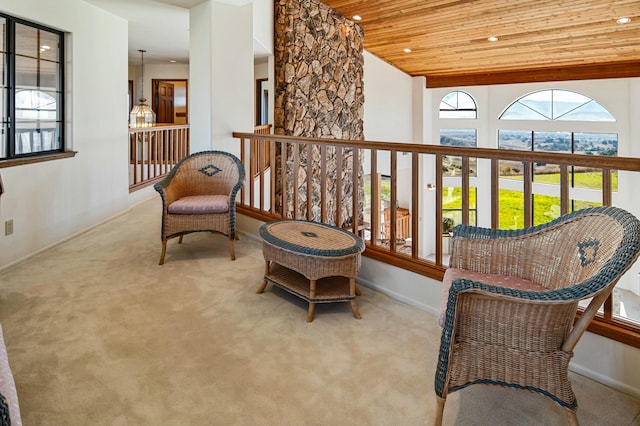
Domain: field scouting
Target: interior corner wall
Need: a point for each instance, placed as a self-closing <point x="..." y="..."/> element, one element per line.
<point x="388" y="106"/>
<point x="54" y="200"/>
<point x="221" y="90"/>
<point x="263" y="23"/>
<point x="232" y="75"/>
<point x="200" y="82"/>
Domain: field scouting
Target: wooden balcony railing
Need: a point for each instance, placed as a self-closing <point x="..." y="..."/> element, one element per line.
<point x="153" y="151"/>
<point x="415" y="241"/>
<point x="260" y="151"/>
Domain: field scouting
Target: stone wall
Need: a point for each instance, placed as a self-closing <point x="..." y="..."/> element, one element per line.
<point x="318" y="93"/>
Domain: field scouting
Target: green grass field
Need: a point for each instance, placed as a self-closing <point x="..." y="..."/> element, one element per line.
<point x="545" y="208"/>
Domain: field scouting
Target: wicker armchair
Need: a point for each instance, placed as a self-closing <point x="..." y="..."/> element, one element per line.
<point x="199" y="194"/>
<point x="521" y="333"/>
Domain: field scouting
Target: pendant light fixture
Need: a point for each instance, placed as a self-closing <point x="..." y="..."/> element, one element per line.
<point x="142" y="115"/>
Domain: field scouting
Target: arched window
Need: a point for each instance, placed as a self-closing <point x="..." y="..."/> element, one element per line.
<point x="555" y="104"/>
<point x="458" y="104"/>
<point x="35" y="105"/>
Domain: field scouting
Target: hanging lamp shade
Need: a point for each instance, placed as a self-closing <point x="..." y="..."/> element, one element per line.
<point x="142" y="115"/>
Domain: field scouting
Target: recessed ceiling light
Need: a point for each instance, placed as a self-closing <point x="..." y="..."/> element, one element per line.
<point x="45" y="47"/>
<point x="493" y="38"/>
<point x="407" y="50"/>
<point x="173" y="61"/>
<point x="623" y="20"/>
<point x="357" y="18"/>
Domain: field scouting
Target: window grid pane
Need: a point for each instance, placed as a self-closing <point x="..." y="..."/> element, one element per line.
<point x="37" y="106"/>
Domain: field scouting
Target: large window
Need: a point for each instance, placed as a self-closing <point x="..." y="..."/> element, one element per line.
<point x="457" y="105"/>
<point x="32" y="89"/>
<point x="552" y="105"/>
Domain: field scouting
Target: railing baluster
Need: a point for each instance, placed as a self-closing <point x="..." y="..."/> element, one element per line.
<point x="495" y="193"/>
<point x="338" y="200"/>
<point x="527" y="192"/>
<point x="154" y="151"/>
<point x="283" y="179"/>
<point x="243" y="160"/>
<point x="393" y="213"/>
<point x="606" y="186"/>
<point x="375" y="199"/>
<point x="355" y="179"/>
<point x="439" y="189"/>
<point x="415" y="202"/>
<point x="309" y="179"/>
<point x="272" y="176"/>
<point x="564" y="189"/>
<point x="465" y="189"/>
<point x="294" y="175"/>
<point x="323" y="183"/>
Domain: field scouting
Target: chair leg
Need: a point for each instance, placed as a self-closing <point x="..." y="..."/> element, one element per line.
<point x="164" y="251"/>
<point x="572" y="419"/>
<point x="180" y="239"/>
<point x="232" y="249"/>
<point x="439" y="411"/>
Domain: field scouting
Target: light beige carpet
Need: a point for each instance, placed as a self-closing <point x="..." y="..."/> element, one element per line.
<point x="99" y="334"/>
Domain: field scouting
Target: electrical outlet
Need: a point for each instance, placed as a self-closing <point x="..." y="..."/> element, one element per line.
<point x="8" y="227"/>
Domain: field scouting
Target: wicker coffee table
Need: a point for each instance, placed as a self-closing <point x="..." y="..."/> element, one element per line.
<point x="314" y="261"/>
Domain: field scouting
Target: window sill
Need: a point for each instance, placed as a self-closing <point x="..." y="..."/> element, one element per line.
<point x="36" y="159"/>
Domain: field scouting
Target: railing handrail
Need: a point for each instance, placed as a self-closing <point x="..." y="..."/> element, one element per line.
<point x="153" y="151"/>
<point x="618" y="163"/>
<point x="158" y="127"/>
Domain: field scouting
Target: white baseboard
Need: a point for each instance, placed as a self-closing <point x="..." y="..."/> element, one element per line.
<point x="605" y="380"/>
<point x="397" y="296"/>
<point x="65" y="239"/>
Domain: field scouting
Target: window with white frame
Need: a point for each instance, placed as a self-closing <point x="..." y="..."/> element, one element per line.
<point x="457" y="105"/>
<point x="553" y="105"/>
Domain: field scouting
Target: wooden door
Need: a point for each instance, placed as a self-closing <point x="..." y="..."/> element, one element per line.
<point x="164" y="93"/>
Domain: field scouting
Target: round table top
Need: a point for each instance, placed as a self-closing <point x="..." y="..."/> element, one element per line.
<point x="312" y="238"/>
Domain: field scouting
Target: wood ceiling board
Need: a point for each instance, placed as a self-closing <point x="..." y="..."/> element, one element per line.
<point x="449" y="37"/>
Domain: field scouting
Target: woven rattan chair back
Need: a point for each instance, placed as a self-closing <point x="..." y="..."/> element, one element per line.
<point x="524" y="339"/>
<point x="201" y="173"/>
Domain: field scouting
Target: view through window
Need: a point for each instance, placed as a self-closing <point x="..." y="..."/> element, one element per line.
<point x="32" y="89"/>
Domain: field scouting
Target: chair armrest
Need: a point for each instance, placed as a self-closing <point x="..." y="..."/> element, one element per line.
<point x="573" y="294"/>
<point x="167" y="193"/>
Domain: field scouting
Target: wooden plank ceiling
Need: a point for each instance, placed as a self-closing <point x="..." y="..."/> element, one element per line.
<point x="538" y="40"/>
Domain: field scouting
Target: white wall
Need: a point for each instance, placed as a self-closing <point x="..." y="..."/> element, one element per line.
<point x="263" y="25"/>
<point x="221" y="75"/>
<point x="53" y="200"/>
<point x="388" y="116"/>
<point x="200" y="69"/>
<point x="387" y="102"/>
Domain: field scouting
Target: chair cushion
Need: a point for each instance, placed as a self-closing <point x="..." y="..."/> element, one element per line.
<point x="492" y="279"/>
<point x="200" y="204"/>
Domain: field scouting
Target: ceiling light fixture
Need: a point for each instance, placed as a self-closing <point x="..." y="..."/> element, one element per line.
<point x="173" y="61"/>
<point x="142" y="115"/>
<point x="623" y="20"/>
<point x="493" y="38"/>
<point x="407" y="50"/>
<point x="357" y="18"/>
